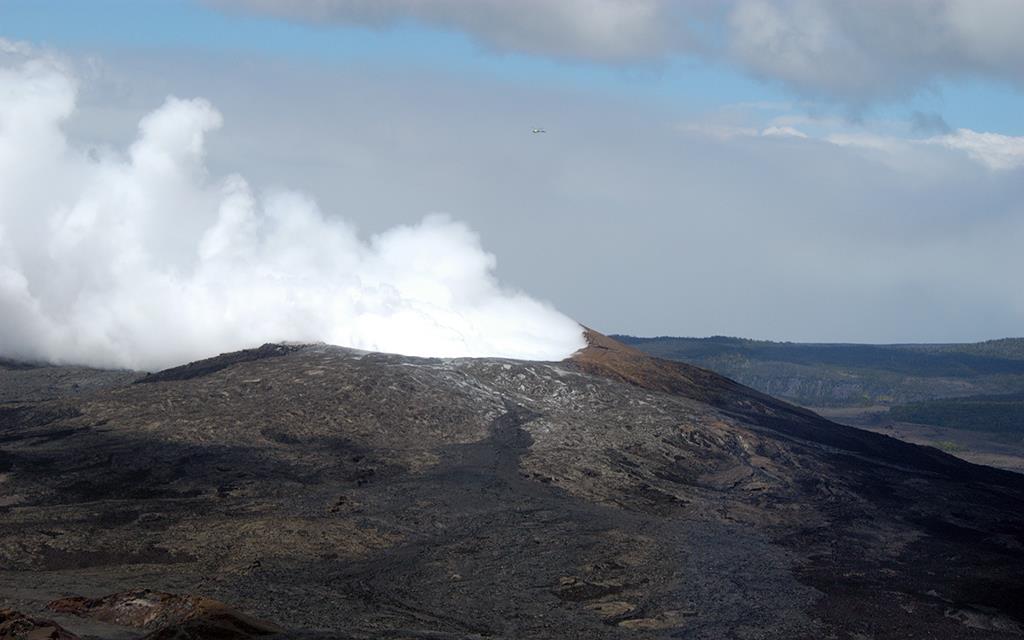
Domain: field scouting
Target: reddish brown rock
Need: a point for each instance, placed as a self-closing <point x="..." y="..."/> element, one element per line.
<point x="167" y="615"/>
<point x="18" y="626"/>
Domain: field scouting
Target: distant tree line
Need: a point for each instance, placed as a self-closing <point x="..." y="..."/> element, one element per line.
<point x="998" y="414"/>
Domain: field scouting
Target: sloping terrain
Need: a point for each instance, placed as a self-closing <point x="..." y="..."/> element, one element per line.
<point x="846" y="375"/>
<point x="346" y="494"/>
<point x="963" y="398"/>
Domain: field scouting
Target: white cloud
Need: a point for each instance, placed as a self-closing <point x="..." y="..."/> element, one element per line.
<point x="15" y="49"/>
<point x="783" y="131"/>
<point x="987" y="32"/>
<point x="852" y="51"/>
<point x="997" y="151"/>
<point x="608" y="30"/>
<point x="626" y="226"/>
<point x="872" y="141"/>
<point x="142" y="259"/>
<point x="862" y="50"/>
<point x="717" y="130"/>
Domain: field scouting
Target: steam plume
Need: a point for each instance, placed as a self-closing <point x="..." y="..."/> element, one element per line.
<point x="141" y="259"/>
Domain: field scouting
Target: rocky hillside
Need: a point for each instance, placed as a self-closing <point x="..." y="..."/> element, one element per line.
<point x="336" y="493"/>
<point x="849" y="375"/>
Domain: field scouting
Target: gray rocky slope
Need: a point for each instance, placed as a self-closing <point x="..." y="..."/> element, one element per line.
<point x="355" y="495"/>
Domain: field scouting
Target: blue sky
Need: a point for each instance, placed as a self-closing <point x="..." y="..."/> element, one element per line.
<point x="118" y="27"/>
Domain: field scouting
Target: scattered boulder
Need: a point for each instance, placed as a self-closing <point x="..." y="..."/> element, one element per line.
<point x="18" y="626"/>
<point x="664" y="620"/>
<point x="167" y="615"/>
<point x="612" y="611"/>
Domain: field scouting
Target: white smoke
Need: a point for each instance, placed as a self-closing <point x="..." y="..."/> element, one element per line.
<point x="141" y="259"/>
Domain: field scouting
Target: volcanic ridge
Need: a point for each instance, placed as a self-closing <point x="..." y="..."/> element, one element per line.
<point x="324" y="492"/>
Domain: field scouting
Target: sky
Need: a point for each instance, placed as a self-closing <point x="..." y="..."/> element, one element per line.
<point x="844" y="171"/>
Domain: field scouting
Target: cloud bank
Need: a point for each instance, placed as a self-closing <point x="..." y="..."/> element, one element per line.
<point x="603" y="30"/>
<point x="995" y="151"/>
<point x="634" y="217"/>
<point x="141" y="259"/>
<point x="851" y="51"/>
